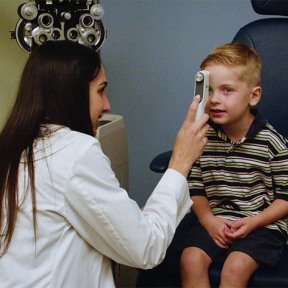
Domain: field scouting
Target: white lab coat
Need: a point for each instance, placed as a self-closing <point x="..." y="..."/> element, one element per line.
<point x="85" y="219"/>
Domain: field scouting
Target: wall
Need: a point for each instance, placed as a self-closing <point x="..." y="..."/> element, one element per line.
<point x="153" y="50"/>
<point x="12" y="58"/>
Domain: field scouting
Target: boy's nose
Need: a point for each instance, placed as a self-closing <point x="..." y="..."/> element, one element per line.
<point x="214" y="97"/>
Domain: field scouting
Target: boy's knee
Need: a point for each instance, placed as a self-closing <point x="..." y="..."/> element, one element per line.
<point x="194" y="259"/>
<point x="238" y="267"/>
<point x="233" y="269"/>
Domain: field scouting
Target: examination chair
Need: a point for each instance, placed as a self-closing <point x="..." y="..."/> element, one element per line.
<point x="269" y="37"/>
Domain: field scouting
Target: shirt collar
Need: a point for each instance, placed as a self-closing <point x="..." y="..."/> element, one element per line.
<point x="257" y="125"/>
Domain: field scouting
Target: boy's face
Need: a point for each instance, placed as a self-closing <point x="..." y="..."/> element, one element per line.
<point x="230" y="97"/>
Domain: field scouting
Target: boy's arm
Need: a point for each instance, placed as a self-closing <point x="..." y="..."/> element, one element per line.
<point x="242" y="227"/>
<point x="200" y="206"/>
<point x="215" y="226"/>
<point x="202" y="209"/>
<point x="277" y="210"/>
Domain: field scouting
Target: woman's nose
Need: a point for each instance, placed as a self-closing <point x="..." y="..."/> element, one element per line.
<point x="106" y="104"/>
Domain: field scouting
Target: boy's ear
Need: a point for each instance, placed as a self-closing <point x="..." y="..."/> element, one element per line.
<point x="255" y="96"/>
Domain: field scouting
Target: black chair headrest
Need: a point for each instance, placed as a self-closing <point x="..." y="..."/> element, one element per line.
<point x="270" y="7"/>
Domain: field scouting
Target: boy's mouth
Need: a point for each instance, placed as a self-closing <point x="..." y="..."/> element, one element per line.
<point x="216" y="112"/>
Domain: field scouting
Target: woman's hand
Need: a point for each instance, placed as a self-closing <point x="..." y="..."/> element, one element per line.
<point x="190" y="140"/>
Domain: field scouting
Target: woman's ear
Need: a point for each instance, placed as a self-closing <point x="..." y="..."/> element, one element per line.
<point x="255" y="96"/>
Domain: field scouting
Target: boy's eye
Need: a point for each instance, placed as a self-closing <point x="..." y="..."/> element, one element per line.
<point x="228" y="89"/>
<point x="210" y="91"/>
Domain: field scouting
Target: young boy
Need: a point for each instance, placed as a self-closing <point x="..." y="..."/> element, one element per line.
<point x="239" y="185"/>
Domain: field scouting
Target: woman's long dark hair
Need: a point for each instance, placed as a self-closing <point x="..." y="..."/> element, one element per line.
<point x="54" y="88"/>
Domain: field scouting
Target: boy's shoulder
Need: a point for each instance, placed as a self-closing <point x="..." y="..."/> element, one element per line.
<point x="270" y="131"/>
<point x="272" y="137"/>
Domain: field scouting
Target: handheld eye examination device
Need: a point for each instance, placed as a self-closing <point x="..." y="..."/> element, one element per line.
<point x="201" y="89"/>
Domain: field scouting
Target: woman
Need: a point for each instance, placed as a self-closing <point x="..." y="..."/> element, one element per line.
<point x="63" y="214"/>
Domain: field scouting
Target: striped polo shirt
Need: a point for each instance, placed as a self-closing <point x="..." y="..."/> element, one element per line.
<point x="243" y="178"/>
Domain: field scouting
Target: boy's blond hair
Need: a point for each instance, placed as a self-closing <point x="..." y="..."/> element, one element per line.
<point x="244" y="58"/>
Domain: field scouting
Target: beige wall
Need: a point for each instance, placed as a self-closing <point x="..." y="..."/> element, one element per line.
<point x="12" y="57"/>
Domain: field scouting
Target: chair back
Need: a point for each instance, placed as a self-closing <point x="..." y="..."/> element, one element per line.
<point x="269" y="37"/>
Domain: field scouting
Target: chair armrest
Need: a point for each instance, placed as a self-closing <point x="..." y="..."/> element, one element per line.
<point x="160" y="163"/>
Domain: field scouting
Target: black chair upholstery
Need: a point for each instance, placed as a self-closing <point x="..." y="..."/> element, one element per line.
<point x="269" y="37"/>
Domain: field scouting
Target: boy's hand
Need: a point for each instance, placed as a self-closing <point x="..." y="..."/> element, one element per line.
<point x="241" y="228"/>
<point x="216" y="228"/>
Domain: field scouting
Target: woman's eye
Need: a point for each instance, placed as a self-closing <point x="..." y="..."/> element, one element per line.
<point x="102" y="88"/>
<point x="101" y="91"/>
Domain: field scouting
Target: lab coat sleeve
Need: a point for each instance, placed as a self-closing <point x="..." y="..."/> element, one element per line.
<point x="104" y="216"/>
